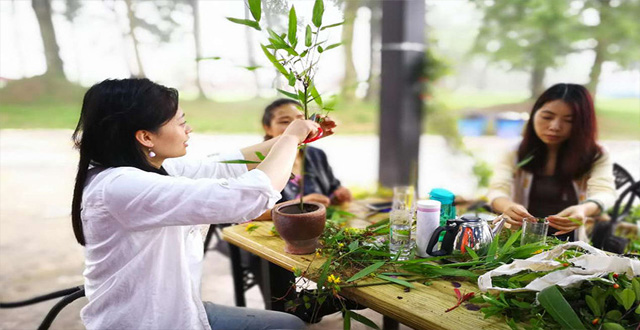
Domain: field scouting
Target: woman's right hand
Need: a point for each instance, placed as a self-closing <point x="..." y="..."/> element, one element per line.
<point x="302" y="129"/>
<point x="315" y="197"/>
<point x="516" y="213"/>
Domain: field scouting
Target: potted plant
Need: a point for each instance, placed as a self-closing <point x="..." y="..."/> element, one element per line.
<point x="295" y="57"/>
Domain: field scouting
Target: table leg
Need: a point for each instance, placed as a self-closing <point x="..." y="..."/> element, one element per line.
<point x="389" y="323"/>
<point x="275" y="284"/>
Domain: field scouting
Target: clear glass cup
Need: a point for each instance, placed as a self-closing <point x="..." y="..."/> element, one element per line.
<point x="534" y="230"/>
<point x="401" y="220"/>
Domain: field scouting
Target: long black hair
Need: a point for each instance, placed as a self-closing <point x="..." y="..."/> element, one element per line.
<point x="267" y="116"/>
<point x="578" y="153"/>
<point x="112" y="112"/>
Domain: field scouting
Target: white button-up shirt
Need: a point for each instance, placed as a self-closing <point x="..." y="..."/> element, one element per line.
<point x="143" y="253"/>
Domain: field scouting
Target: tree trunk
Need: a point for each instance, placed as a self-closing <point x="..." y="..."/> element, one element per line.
<point x="48" y="34"/>
<point x="195" y="10"/>
<point x="349" y="83"/>
<point x="374" y="45"/>
<point x="132" y="26"/>
<point x="251" y="56"/>
<point x="596" y="68"/>
<point x="537" y="80"/>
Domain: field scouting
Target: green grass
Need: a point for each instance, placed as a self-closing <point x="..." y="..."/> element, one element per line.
<point x="617" y="118"/>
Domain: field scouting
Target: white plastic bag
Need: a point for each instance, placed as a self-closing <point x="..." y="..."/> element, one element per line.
<point x="594" y="263"/>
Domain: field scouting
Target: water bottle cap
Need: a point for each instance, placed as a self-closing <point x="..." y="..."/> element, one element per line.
<point x="428" y="203"/>
<point x="442" y="195"/>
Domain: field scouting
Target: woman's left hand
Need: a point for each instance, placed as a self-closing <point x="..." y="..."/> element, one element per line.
<point x="342" y="195"/>
<point x="568" y="220"/>
<point x="327" y="124"/>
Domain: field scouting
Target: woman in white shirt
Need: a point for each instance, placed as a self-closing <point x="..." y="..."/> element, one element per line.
<point x="136" y="209"/>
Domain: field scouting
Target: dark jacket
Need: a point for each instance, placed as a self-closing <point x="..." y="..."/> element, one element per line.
<point x="318" y="178"/>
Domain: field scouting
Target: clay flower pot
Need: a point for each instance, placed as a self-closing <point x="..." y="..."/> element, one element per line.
<point x="299" y="230"/>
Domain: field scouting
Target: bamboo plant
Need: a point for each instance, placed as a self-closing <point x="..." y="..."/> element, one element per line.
<point x="296" y="60"/>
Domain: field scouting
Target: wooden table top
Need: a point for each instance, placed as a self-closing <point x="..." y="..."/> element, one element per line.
<point x="421" y="308"/>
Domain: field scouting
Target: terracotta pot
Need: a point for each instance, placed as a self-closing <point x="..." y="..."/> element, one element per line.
<point x="299" y="230"/>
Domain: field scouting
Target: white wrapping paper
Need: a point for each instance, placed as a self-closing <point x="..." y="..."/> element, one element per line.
<point x="596" y="263"/>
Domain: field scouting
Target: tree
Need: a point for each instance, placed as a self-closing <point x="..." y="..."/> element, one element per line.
<point x="375" y="40"/>
<point x="195" y="11"/>
<point x="43" y="12"/>
<point x="350" y="81"/>
<point x="529" y="35"/>
<point x="616" y="34"/>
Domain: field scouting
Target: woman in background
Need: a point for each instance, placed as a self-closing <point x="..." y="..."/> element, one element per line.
<point x="320" y="185"/>
<point x="558" y="171"/>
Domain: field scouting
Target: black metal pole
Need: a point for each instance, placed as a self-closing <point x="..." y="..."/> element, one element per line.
<point x="403" y="47"/>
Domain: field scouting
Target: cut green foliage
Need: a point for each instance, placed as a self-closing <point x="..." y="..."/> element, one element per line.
<point x="370" y="269"/>
<point x="558" y="307"/>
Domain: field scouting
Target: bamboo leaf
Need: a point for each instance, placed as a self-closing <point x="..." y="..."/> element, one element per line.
<point x="251" y="68"/>
<point x="274" y="61"/>
<point x="290" y="95"/>
<point x="558" y="307"/>
<point x="332" y="46"/>
<point x="307" y="36"/>
<point x="208" y="58"/>
<point x="472" y="253"/>
<point x="325" y="271"/>
<point x="315" y="95"/>
<point x="332" y="25"/>
<point x="292" y="80"/>
<point x="524" y="161"/>
<point x="320" y="49"/>
<point x="318" y="11"/>
<point x="255" y="8"/>
<point x="593" y="305"/>
<point x="293" y="26"/>
<point x="493" y="247"/>
<point x="246" y="22"/>
<point x="363" y="319"/>
<point x="395" y="280"/>
<point x="346" y="322"/>
<point x="510" y="241"/>
<point x="366" y="271"/>
<point x="259" y="155"/>
<point x="238" y="161"/>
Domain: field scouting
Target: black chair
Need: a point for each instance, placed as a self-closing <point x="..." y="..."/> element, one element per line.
<point x="603" y="237"/>
<point x="622" y="179"/>
<point x="70" y="295"/>
<point x="245" y="275"/>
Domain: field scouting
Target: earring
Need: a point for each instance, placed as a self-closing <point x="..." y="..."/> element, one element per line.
<point x="151" y="153"/>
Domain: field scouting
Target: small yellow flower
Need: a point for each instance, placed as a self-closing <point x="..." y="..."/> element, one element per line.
<point x="336" y="280"/>
<point x="539" y="251"/>
<point x="340" y="245"/>
<point x="333" y="279"/>
<point x="294" y="269"/>
<point x="251" y="227"/>
<point x="318" y="252"/>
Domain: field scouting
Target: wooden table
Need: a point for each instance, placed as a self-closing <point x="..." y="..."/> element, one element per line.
<point x="421" y="308"/>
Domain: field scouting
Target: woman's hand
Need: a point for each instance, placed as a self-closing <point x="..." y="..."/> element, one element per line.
<point x="568" y="219"/>
<point x="327" y="125"/>
<point x="342" y="195"/>
<point x="301" y="129"/>
<point x="319" y="198"/>
<point x="515" y="214"/>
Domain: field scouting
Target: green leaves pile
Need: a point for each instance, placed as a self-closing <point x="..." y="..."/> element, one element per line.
<point x="362" y="256"/>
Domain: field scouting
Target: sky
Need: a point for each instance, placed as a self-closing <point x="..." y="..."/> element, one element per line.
<point x="95" y="47"/>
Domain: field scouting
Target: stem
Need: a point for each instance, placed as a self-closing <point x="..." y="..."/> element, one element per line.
<point x="356" y="285"/>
